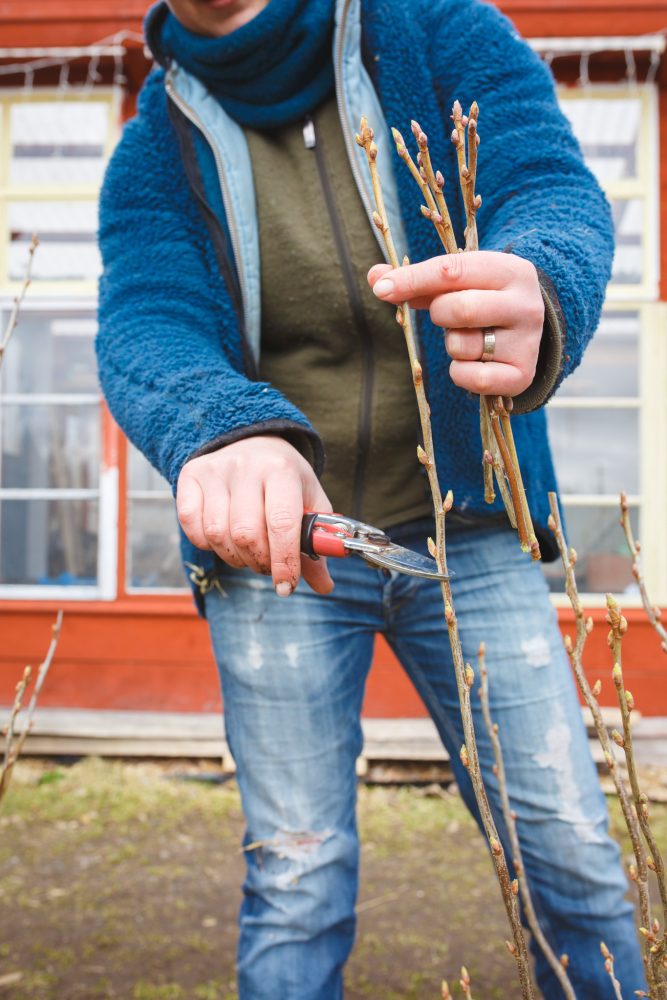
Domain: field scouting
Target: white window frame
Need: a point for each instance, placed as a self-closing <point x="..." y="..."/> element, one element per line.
<point x="651" y="401"/>
<point x="69" y="297"/>
<point x="106" y="494"/>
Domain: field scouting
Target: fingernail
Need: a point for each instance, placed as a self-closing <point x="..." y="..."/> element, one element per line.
<point x="283" y="589"/>
<point x="384" y="286"/>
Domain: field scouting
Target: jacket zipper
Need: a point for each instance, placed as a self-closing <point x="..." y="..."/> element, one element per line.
<point x="186" y="110"/>
<point x="354" y="297"/>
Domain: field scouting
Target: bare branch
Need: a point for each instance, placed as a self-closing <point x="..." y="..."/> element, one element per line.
<point x="14" y="315"/>
<point x="609" y="966"/>
<point x="463" y="672"/>
<point x="13" y="749"/>
<point x="652" y="610"/>
<point x="638" y="872"/>
<point x="557" y="964"/>
<point x="618" y="628"/>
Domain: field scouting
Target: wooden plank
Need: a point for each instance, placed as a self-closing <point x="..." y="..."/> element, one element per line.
<point x="59" y="732"/>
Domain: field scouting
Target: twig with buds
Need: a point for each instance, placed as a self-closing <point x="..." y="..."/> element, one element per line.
<point x="584" y="626"/>
<point x="498" y="447"/>
<point x="464" y="673"/>
<point x="14" y="744"/>
<point x="652" y="610"/>
<point x="609" y="966"/>
<point x="18" y="301"/>
<point x="558" y="965"/>
<point x="617" y="628"/>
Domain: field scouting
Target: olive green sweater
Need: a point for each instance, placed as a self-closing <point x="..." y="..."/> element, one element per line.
<point x="327" y="343"/>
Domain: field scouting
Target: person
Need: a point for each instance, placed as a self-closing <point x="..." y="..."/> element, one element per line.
<point x="239" y="340"/>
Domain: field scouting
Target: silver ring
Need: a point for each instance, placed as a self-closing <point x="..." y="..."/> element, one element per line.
<point x="489" y="344"/>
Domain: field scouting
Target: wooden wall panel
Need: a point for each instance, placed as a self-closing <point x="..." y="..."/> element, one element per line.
<point x="158" y="659"/>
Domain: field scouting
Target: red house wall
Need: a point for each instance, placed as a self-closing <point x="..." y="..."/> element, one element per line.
<point x="151" y="653"/>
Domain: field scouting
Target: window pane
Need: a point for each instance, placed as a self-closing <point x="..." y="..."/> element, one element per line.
<point x="51" y="352"/>
<point x="56" y="142"/>
<point x="628" y="266"/>
<point x="50" y="446"/>
<point x="603" y="561"/>
<point x="611" y="363"/>
<point x="595" y="451"/>
<point x="608" y="131"/>
<point x="154" y="556"/>
<point x="48" y="542"/>
<point x="67" y="233"/>
<point x="142" y="475"/>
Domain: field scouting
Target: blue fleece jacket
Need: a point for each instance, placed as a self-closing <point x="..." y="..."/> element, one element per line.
<point x="173" y="361"/>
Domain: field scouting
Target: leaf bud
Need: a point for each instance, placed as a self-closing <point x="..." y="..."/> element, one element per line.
<point x="609" y="760"/>
<point x="565" y="960"/>
<point x="455" y="137"/>
<point x="465" y="977"/>
<point x="470" y="675"/>
<point x="597" y="688"/>
<point x="655" y="926"/>
<point x="444" y="991"/>
<point x="477" y="202"/>
<point x="377" y="219"/>
<point x="589" y="625"/>
<point x="439" y="179"/>
<point x="650" y="863"/>
<point x="572" y="556"/>
<point x="416" y="128"/>
<point x="605" y="951"/>
<point x="449" y="502"/>
<point x="432" y="548"/>
<point x="397" y="137"/>
<point x="617" y="738"/>
<point x="417" y="373"/>
<point x="567" y="642"/>
<point x="450" y="617"/>
<point x="465" y="760"/>
<point x="511" y="948"/>
<point x="551" y="521"/>
<point x="632" y="873"/>
<point x="488" y="457"/>
<point x="515" y="887"/>
<point x="423" y="457"/>
<point x="629" y="700"/>
<point x="496" y="849"/>
<point x="426" y="212"/>
<point x="372" y="151"/>
<point x="617" y="675"/>
<point x="481" y="649"/>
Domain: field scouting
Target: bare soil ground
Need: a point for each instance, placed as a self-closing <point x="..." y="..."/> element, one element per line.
<point x="123" y="881"/>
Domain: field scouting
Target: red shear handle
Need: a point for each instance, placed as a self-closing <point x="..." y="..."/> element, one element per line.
<point x="321" y="539"/>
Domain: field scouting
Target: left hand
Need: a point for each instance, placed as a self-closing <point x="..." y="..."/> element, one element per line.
<point x="466" y="293"/>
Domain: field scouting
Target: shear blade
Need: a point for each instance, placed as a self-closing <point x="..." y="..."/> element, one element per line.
<point x="398" y="558"/>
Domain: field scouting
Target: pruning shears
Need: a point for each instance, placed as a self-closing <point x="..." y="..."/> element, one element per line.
<point x="339" y="536"/>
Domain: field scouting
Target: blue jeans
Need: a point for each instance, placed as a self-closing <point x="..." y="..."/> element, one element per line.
<point x="293" y="674"/>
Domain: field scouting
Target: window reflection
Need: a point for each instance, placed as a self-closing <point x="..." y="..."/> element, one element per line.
<point x="603" y="561"/>
<point x="48" y="542"/>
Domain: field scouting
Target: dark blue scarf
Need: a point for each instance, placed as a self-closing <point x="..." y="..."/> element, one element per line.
<point x="269" y="72"/>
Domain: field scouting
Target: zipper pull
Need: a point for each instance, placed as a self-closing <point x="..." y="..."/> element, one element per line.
<point x="309" y="134"/>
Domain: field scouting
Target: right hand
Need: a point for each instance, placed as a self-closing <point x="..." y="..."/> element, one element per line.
<point x="246" y="502"/>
